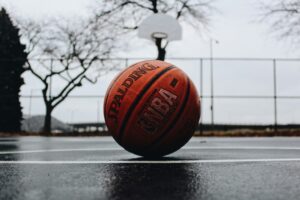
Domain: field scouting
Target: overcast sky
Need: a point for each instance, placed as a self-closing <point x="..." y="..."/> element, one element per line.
<point x="236" y="28"/>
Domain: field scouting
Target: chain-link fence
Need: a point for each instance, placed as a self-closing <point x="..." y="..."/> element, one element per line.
<point x="234" y="91"/>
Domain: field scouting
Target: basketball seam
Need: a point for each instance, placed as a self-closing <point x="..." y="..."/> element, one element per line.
<point x="137" y="99"/>
<point x="181" y="110"/>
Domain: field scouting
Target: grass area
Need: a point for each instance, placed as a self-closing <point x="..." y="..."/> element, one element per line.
<point x="250" y="133"/>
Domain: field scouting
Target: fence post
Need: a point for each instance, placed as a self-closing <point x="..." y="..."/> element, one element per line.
<point x="275" y="94"/>
<point x="98" y="111"/>
<point x="201" y="95"/>
<point x="50" y="84"/>
<point x="212" y="91"/>
<point x="126" y="62"/>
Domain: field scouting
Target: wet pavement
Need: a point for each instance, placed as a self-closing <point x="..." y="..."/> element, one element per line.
<point x="97" y="168"/>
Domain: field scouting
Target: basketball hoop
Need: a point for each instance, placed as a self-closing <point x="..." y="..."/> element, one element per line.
<point x="159" y="35"/>
<point x="160" y="26"/>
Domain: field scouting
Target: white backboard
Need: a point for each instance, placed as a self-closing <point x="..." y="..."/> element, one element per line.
<point x="160" y="26"/>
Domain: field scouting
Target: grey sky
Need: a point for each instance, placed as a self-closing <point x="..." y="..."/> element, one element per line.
<point x="234" y="26"/>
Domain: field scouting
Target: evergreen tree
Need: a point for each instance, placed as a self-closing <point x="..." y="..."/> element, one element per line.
<point x="12" y="60"/>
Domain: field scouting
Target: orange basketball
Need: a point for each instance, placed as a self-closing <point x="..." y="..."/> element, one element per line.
<point x="152" y="108"/>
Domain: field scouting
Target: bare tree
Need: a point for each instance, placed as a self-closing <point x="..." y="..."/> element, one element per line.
<point x="132" y="12"/>
<point x="68" y="53"/>
<point x="284" y="16"/>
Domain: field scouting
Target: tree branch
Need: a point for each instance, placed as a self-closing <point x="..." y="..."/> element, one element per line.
<point x="35" y="73"/>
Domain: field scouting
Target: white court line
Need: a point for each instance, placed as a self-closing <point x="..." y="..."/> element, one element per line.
<point x="152" y="161"/>
<point x="245" y="148"/>
<point x="120" y="149"/>
<point x="58" y="141"/>
<point x="59" y="150"/>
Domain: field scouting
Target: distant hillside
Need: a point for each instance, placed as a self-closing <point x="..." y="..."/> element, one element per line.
<point x="35" y="124"/>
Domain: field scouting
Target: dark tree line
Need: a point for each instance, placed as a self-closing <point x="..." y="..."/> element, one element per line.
<point x="12" y="60"/>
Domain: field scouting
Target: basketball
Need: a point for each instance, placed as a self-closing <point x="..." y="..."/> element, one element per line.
<point x="152" y="108"/>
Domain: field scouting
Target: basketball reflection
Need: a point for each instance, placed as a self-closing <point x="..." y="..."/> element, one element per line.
<point x="154" y="181"/>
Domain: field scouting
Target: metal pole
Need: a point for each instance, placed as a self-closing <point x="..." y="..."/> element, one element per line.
<point x="201" y="94"/>
<point x="275" y="94"/>
<point x="72" y="117"/>
<point x="126" y="62"/>
<point x="30" y="102"/>
<point x="211" y="83"/>
<point x="98" y="111"/>
<point x="50" y="84"/>
<point x="50" y="89"/>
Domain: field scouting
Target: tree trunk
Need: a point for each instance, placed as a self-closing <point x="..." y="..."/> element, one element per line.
<point x="47" y="121"/>
<point x="161" y="50"/>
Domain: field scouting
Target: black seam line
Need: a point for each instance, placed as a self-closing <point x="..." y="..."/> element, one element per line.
<point x="175" y="120"/>
<point x="138" y="98"/>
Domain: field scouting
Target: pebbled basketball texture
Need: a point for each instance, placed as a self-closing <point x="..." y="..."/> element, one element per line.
<point x="152" y="108"/>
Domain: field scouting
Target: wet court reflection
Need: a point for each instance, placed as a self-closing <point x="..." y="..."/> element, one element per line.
<point x="9" y="145"/>
<point x="162" y="181"/>
<point x="9" y="175"/>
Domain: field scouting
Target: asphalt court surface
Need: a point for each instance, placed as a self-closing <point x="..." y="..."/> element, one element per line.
<point x="97" y="168"/>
